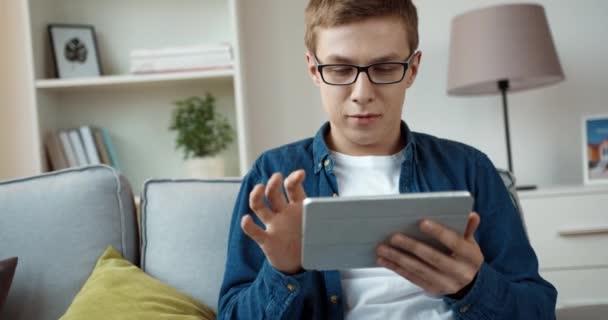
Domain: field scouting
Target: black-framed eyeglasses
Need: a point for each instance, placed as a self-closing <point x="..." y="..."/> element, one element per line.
<point x="378" y="73"/>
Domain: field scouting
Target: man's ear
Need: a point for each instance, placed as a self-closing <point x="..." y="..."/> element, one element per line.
<point x="312" y="69"/>
<point x="412" y="70"/>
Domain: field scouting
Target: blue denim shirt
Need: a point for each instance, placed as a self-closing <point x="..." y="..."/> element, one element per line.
<point x="507" y="286"/>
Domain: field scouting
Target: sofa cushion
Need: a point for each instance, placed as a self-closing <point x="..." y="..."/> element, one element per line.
<point x="57" y="224"/>
<point x="7" y="270"/>
<point x="184" y="227"/>
<point x="117" y="289"/>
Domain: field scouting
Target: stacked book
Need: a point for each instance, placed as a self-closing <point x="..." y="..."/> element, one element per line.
<point x="195" y="58"/>
<point x="82" y="146"/>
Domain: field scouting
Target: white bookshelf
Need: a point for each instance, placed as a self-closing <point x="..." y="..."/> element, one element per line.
<point x="134" y="109"/>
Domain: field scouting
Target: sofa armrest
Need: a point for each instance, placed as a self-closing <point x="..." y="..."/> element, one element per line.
<point x="58" y="224"/>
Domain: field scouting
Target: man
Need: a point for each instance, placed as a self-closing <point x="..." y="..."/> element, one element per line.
<point x="362" y="56"/>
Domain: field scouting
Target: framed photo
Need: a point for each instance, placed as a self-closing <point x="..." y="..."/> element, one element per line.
<point x="595" y="149"/>
<point x="74" y="49"/>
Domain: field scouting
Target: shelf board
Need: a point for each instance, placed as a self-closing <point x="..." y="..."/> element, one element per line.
<point x="130" y="80"/>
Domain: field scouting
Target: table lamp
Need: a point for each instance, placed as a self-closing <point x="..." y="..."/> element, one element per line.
<point x="502" y="48"/>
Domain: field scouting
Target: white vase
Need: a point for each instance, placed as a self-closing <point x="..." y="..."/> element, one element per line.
<point x="205" y="168"/>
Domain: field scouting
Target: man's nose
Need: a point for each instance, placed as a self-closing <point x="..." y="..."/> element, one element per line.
<point x="363" y="89"/>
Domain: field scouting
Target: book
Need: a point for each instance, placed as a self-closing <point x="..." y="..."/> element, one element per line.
<point x="101" y="147"/>
<point x="67" y="148"/>
<point x="89" y="145"/>
<point x="202" y="57"/>
<point x="54" y="150"/>
<point x="181" y="51"/>
<point x="78" y="147"/>
<point x="177" y="63"/>
<point x="110" y="149"/>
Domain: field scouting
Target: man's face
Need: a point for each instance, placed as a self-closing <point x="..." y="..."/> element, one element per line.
<point x="365" y="117"/>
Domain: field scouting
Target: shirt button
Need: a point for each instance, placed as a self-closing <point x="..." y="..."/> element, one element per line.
<point x="464" y="309"/>
<point x="333" y="299"/>
<point x="326" y="163"/>
<point x="291" y="287"/>
<point x="320" y="164"/>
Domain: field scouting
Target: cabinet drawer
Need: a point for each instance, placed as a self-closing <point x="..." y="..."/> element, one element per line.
<point x="580" y="286"/>
<point x="568" y="230"/>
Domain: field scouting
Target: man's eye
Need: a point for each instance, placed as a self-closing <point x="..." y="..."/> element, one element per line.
<point x="340" y="70"/>
<point x="387" y="68"/>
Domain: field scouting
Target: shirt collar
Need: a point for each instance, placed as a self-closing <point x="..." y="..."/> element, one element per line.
<point x="321" y="153"/>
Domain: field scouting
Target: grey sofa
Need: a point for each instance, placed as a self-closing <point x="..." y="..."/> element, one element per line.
<point x="59" y="223"/>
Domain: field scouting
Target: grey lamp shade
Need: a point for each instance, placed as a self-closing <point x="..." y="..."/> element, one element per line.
<point x="507" y="42"/>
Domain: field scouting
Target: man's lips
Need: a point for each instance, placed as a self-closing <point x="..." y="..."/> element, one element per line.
<point x="365" y="119"/>
<point x="364" y="116"/>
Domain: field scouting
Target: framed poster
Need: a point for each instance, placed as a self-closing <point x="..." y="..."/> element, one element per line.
<point x="74" y="49"/>
<point x="595" y="149"/>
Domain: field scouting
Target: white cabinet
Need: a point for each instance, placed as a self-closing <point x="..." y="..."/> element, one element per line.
<point x="134" y="109"/>
<point x="568" y="228"/>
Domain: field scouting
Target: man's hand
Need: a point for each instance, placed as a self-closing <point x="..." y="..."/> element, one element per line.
<point x="435" y="272"/>
<point x="281" y="241"/>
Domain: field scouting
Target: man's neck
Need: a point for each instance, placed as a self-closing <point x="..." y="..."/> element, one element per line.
<point x="341" y="144"/>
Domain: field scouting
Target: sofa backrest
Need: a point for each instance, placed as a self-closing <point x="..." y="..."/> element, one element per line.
<point x="58" y="224"/>
<point x="509" y="180"/>
<point x="184" y="228"/>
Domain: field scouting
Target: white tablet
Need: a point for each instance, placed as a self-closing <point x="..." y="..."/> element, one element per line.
<point x="343" y="232"/>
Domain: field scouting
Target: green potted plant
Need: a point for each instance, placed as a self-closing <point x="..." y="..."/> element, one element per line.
<point x="202" y="134"/>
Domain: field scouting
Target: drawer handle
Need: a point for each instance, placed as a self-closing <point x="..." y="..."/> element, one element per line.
<point x="582" y="231"/>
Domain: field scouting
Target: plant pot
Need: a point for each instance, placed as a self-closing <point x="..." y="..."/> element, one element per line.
<point x="205" y="168"/>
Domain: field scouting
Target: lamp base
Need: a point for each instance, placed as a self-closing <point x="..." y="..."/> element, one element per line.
<point x="525" y="187"/>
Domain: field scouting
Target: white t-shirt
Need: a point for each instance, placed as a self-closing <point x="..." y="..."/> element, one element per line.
<point x="379" y="293"/>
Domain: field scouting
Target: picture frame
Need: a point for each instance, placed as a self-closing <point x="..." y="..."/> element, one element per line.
<point x="74" y="50"/>
<point x="595" y="149"/>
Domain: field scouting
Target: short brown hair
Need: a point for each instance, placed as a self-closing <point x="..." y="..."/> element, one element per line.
<point x="331" y="13"/>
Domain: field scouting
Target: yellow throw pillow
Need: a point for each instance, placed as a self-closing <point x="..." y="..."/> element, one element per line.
<point x="119" y="290"/>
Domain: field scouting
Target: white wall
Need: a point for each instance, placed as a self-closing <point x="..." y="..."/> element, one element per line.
<point x="283" y="105"/>
<point x="17" y="128"/>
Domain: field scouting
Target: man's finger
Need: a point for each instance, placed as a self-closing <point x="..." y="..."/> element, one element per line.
<point x="411" y="267"/>
<point x="293" y="185"/>
<point x="408" y="274"/>
<point x="274" y="193"/>
<point x="424" y="252"/>
<point x="438" y="260"/>
<point x="257" y="204"/>
<point x="407" y="261"/>
<point x="448" y="237"/>
<point x="472" y="224"/>
<point x="253" y="230"/>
